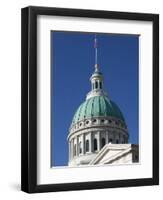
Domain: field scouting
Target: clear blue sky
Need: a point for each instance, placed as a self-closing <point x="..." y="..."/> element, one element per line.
<point x="72" y="63"/>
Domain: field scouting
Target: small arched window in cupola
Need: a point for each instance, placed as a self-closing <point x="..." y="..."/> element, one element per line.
<point x="100" y="85"/>
<point x="96" y="85"/>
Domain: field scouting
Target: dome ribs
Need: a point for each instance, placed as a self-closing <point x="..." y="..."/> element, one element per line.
<point x="97" y="106"/>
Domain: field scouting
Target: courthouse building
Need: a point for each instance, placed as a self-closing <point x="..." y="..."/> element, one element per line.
<point x="98" y="133"/>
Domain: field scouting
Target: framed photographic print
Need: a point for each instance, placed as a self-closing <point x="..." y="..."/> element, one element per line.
<point x="90" y="99"/>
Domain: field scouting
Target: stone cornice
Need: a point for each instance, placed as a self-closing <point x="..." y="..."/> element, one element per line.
<point x="96" y="129"/>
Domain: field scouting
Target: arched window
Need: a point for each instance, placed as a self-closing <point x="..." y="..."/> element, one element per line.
<point x="96" y="85"/>
<point x="80" y="147"/>
<point x="117" y="141"/>
<point x="100" y="85"/>
<point x="102" y="142"/>
<point x="87" y="146"/>
<point x="74" y="149"/>
<point x="95" y="144"/>
<point x="110" y="140"/>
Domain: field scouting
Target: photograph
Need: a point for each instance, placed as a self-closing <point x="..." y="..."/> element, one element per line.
<point x="90" y="93"/>
<point x="94" y="99"/>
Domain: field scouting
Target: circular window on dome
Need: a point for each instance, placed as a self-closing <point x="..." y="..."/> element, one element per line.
<point x="94" y="120"/>
<point x="117" y="123"/>
<point x="81" y="124"/>
<point x="102" y="120"/>
<point x="87" y="122"/>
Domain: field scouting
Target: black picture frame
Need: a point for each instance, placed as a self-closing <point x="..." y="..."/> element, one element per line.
<point x="29" y="98"/>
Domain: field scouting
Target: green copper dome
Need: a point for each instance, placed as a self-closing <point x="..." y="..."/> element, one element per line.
<point x="97" y="106"/>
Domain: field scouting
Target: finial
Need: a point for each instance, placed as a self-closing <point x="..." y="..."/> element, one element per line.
<point x="96" y="67"/>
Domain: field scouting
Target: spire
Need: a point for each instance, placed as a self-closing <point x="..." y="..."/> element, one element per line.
<point x="97" y="77"/>
<point x="96" y="56"/>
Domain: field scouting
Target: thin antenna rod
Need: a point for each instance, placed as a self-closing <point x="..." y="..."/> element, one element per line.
<point x="96" y="55"/>
<point x="95" y="49"/>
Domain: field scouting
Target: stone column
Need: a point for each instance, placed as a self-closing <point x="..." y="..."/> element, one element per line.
<point x="98" y="141"/>
<point x="98" y="84"/>
<point x="83" y="136"/>
<point x="90" y="146"/>
<point x="106" y="137"/>
<point x="77" y="145"/>
<point x="72" y="148"/>
<point x="72" y="151"/>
